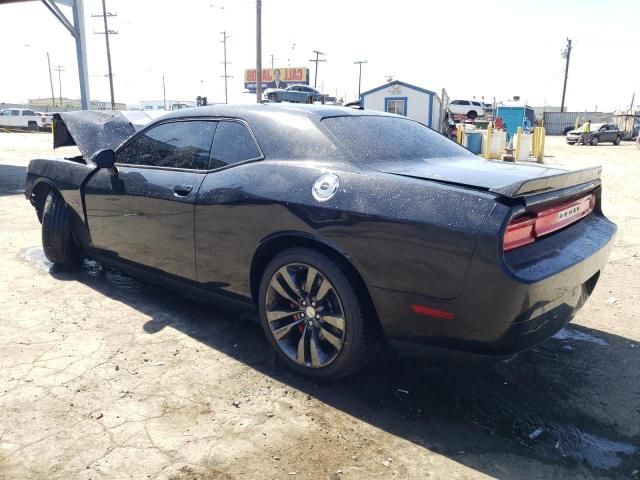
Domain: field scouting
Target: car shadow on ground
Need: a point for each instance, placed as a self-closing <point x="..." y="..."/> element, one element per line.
<point x="12" y="179"/>
<point x="573" y="400"/>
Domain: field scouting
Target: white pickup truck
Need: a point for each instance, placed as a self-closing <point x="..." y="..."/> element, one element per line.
<point x="22" y="118"/>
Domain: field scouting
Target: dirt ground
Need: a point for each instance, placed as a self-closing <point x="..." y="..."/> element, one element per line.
<point x="104" y="376"/>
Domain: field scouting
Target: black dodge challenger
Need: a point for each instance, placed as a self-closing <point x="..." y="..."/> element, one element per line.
<point x="339" y="226"/>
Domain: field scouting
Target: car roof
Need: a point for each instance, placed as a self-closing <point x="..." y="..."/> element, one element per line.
<point x="283" y="130"/>
<point x="258" y="112"/>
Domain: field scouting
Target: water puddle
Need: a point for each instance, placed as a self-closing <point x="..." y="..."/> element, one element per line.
<point x="582" y="447"/>
<point x="90" y="268"/>
<point x="36" y="256"/>
<point x="571" y="334"/>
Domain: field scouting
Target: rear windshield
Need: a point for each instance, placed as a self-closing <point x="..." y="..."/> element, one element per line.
<point x="371" y="139"/>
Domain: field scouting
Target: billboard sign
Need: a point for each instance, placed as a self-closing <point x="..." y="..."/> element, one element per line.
<point x="277" y="77"/>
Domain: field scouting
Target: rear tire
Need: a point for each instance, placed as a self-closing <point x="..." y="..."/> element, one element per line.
<point x="32" y="126"/>
<point x="57" y="239"/>
<point x="331" y="348"/>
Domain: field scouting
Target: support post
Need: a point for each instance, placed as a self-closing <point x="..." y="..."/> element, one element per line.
<point x="81" y="52"/>
<point x="518" y="143"/>
<point x="259" y="51"/>
<point x="543" y="134"/>
<point x="487" y="148"/>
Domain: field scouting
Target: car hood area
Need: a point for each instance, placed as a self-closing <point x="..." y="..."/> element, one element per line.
<point x="503" y="178"/>
<point x="94" y="130"/>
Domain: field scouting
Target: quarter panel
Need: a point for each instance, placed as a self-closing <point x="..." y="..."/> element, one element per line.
<point x="402" y="234"/>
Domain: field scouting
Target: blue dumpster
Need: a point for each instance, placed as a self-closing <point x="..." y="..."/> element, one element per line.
<point x="474" y="142"/>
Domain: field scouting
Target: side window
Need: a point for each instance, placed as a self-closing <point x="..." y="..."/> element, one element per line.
<point x="5" y="113"/>
<point x="477" y="104"/>
<point x="28" y="113"/>
<point x="455" y="102"/>
<point x="232" y="143"/>
<point x="176" y="144"/>
<point x="464" y="102"/>
<point x="15" y="113"/>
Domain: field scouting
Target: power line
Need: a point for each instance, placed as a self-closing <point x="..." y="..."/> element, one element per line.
<point x="566" y="53"/>
<point x="225" y="63"/>
<point x="106" y="34"/>
<point x="53" y="98"/>
<point x="316" y="61"/>
<point x="59" y="68"/>
<point x="359" y="63"/>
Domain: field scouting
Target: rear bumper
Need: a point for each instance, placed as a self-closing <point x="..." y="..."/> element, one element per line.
<point x="509" y="306"/>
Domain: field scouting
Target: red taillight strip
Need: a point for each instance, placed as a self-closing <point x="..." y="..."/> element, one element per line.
<point x="432" y="312"/>
<point x="525" y="230"/>
<point x="558" y="217"/>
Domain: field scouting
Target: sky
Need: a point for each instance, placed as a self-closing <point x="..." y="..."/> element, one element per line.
<point x="488" y="48"/>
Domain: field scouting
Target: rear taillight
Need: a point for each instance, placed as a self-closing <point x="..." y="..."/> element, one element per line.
<point x="520" y="232"/>
<point x="525" y="230"/>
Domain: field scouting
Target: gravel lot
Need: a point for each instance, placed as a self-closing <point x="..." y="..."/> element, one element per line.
<point x="105" y="376"/>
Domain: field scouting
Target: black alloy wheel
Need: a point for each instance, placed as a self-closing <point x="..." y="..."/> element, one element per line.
<point x="313" y="316"/>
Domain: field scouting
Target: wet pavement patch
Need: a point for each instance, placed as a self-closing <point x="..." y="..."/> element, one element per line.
<point x="569" y="333"/>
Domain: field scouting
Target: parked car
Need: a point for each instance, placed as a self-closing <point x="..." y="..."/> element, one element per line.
<point x="470" y="108"/>
<point x="336" y="225"/>
<point x="600" y="132"/>
<point x="21" y="118"/>
<point x="294" y="94"/>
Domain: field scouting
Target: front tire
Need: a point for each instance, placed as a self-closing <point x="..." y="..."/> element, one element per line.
<point x="472" y="115"/>
<point x="617" y="140"/>
<point x="57" y="239"/>
<point x="313" y="316"/>
<point x="594" y="141"/>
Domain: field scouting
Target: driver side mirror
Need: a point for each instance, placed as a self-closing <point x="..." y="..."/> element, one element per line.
<point x="104" y="158"/>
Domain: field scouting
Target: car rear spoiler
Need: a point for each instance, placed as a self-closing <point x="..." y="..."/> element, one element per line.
<point x="548" y="183"/>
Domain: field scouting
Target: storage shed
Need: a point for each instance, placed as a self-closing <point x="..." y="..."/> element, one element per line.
<point x="405" y="99"/>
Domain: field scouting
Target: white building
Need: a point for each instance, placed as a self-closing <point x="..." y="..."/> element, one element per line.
<point x="159" y="105"/>
<point x="405" y="99"/>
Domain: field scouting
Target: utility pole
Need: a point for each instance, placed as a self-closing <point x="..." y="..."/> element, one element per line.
<point x="225" y="76"/>
<point x="53" y="98"/>
<point x="566" y="53"/>
<point x="272" y="57"/>
<point x="633" y="98"/>
<point x="106" y="34"/>
<point x="359" y="63"/>
<point x="164" y="93"/>
<point x="259" y="51"/>
<point x="316" y="61"/>
<point x="59" y="68"/>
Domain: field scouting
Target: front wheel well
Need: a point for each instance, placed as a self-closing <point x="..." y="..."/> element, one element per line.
<point x="38" y="197"/>
<point x="269" y="249"/>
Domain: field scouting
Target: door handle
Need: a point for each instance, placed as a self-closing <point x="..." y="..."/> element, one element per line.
<point x="182" y="190"/>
